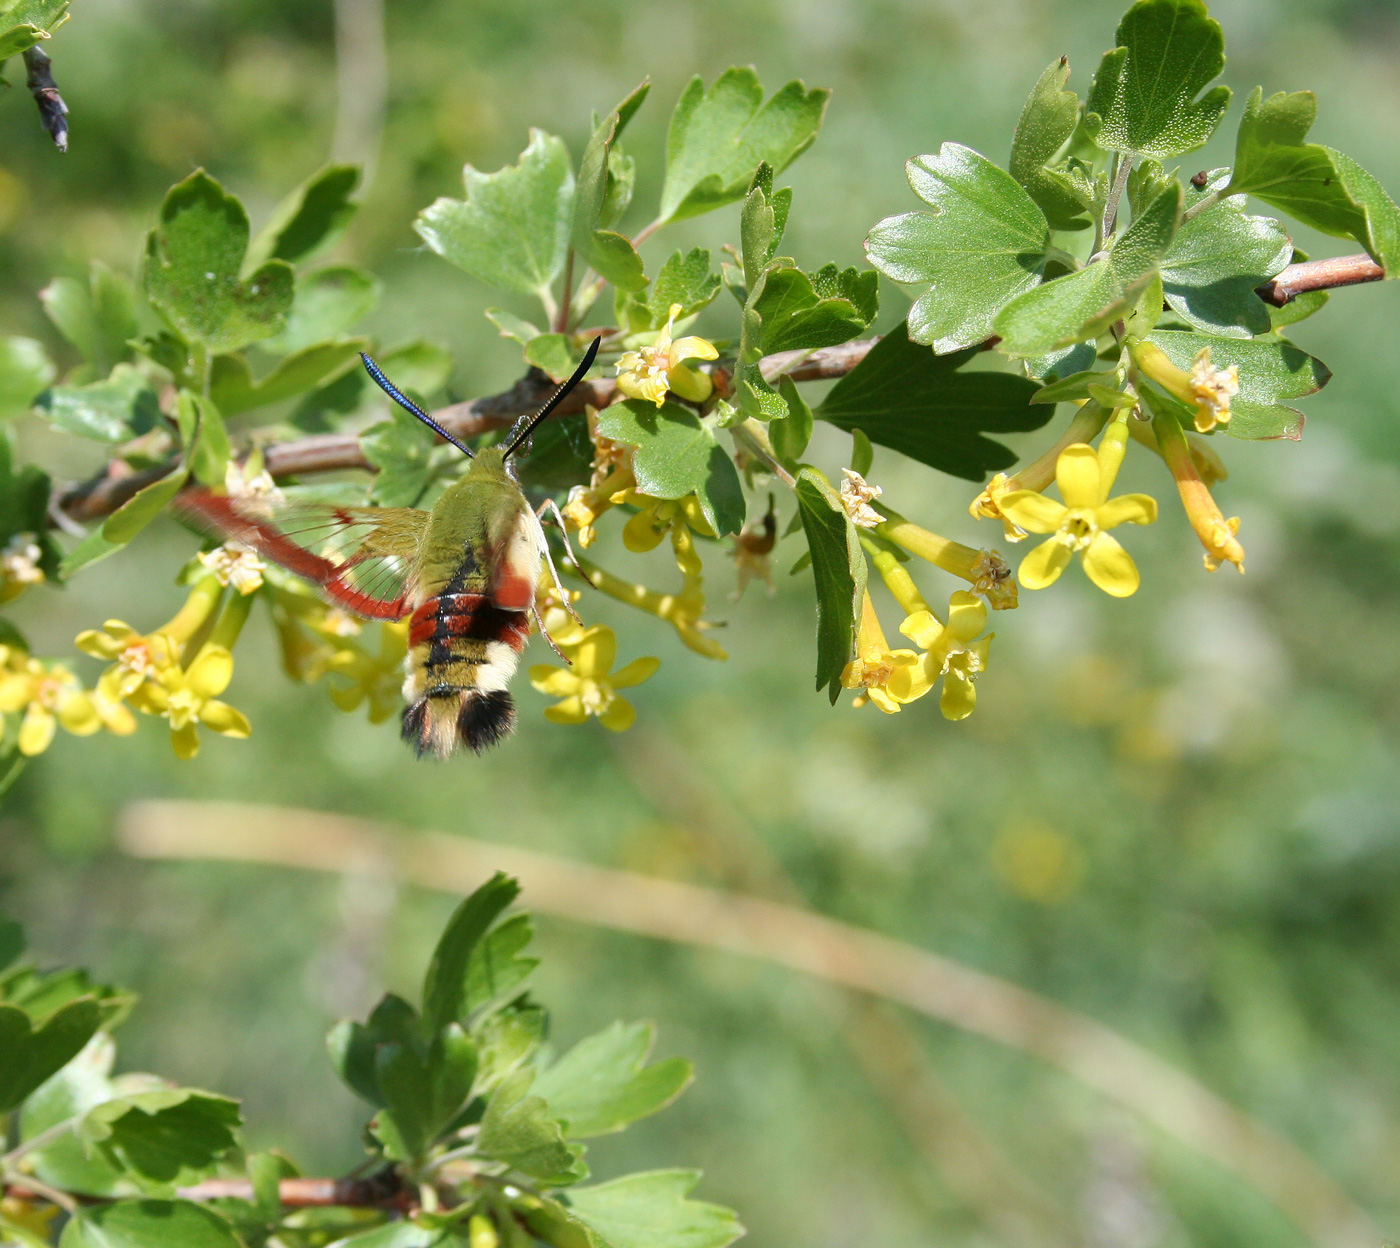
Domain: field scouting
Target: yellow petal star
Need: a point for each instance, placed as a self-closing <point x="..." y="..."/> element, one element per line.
<point x="590" y="687"/>
<point x="189" y="698"/>
<point x="650" y="372"/>
<point x="891" y="679"/>
<point x="50" y="697"/>
<point x="1079" y="525"/>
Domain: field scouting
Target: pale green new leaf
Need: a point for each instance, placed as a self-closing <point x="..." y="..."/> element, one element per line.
<point x="981" y="246"/>
<point x="310" y="219"/>
<point x="651" y="1210"/>
<point x="327" y="303"/>
<point x="611" y="254"/>
<point x="97" y="316"/>
<point x="1047" y="122"/>
<point x="27" y="22"/>
<point x="447" y="984"/>
<point x="1144" y="97"/>
<point x="1080" y="306"/>
<point x="234" y="390"/>
<point x="113" y="411"/>
<point x="139" y="510"/>
<point x="804" y="312"/>
<point x="717" y="138"/>
<point x="25" y="369"/>
<point x="496" y="968"/>
<point x="519" y="1129"/>
<point x="677" y="454"/>
<point x="512" y="228"/>
<point x="602" y="1084"/>
<point x="82" y="1084"/>
<point x="193" y="260"/>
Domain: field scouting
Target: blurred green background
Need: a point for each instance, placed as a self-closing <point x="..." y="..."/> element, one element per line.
<point x="1176" y="814"/>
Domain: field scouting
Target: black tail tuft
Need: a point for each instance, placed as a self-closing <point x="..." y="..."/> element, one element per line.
<point x="485" y="719"/>
<point x="414" y="730"/>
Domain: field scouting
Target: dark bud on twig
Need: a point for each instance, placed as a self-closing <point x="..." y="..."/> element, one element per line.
<point x="1199" y="180"/>
<point x="53" y="112"/>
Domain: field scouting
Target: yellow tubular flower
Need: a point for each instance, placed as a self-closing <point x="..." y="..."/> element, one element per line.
<point x="650" y="372"/>
<point x="1039" y="473"/>
<point x="644" y="531"/>
<point x="1216" y="533"/>
<point x="376" y="679"/>
<point x="590" y="687"/>
<point x="953" y="651"/>
<point x="1080" y="525"/>
<point x="984" y="570"/>
<point x="891" y="679"/>
<point x="1209" y="466"/>
<point x="188" y="698"/>
<point x="50" y="696"/>
<point x="1205" y="388"/>
<point x="586" y="504"/>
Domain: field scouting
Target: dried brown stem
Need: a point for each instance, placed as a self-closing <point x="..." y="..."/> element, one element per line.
<point x="53" y="112"/>
<point x="1298" y="279"/>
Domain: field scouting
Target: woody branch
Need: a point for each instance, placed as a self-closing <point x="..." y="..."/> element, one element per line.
<point x="332" y="452"/>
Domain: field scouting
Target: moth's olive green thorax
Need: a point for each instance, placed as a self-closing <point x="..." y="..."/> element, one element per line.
<point x="472" y="520"/>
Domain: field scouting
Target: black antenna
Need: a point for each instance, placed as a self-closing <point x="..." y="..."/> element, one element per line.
<point x="588" y="358"/>
<point x="409" y="405"/>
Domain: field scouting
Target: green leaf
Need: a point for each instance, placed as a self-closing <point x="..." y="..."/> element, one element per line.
<point x="353" y="1045"/>
<point x="650" y="1210"/>
<point x="518" y="1129"/>
<point x="923" y="405"/>
<point x="234" y="390"/>
<point x="553" y="354"/>
<point x="447" y="985"/>
<point x="1215" y="263"/>
<point x="97" y="316"/>
<point x="677" y="454"/>
<point x="204" y="437"/>
<point x="512" y="326"/>
<point x="82" y="1084"/>
<point x="507" y="1039"/>
<point x="327" y="303"/>
<point x="400" y="1235"/>
<point x="92" y="549"/>
<point x="685" y="281"/>
<point x="761" y="223"/>
<point x="512" y="229"/>
<point x="804" y="312"/>
<point x="25" y="369"/>
<point x="193" y="259"/>
<point x="561" y="454"/>
<point x="24" y="508"/>
<point x="717" y="138"/>
<point x="602" y="1084"/>
<point x="401" y="448"/>
<point x="107" y="411"/>
<point x="33" y="1053"/>
<point x="29" y="22"/>
<point x="149" y="1224"/>
<point x="1270" y="372"/>
<point x="1316" y="185"/>
<point x="1080" y="306"/>
<point x="1047" y="121"/>
<point x="143" y="507"/>
<point x="612" y="255"/>
<point x="1143" y="100"/>
<point x="495" y="968"/>
<point x="310" y="219"/>
<point x="838" y="568"/>
<point x="790" y="434"/>
<point x="981" y="246"/>
<point x="163" y="1135"/>
<point x="41" y="994"/>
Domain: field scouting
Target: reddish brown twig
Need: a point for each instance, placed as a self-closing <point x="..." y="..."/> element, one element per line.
<point x="1298" y="279"/>
<point x="383" y="1190"/>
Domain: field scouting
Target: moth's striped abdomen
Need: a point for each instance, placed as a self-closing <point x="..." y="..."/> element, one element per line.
<point x="463" y="650"/>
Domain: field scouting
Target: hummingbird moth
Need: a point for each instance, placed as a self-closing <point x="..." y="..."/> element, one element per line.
<point x="464" y="574"/>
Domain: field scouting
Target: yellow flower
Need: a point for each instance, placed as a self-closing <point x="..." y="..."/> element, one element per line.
<point x="50" y="696"/>
<point x="590" y="687"/>
<point x="1216" y="533"/>
<point x="644" y="531"/>
<point x="28" y="1215"/>
<point x="373" y="678"/>
<point x="586" y="504"/>
<point x="649" y="372"/>
<point x="19" y="566"/>
<point x="1212" y="389"/>
<point x="1079" y="525"/>
<point x="984" y="570"/>
<point x="188" y="698"/>
<point x="953" y="651"/>
<point x="889" y="678"/>
<point x="235" y="565"/>
<point x="134" y="658"/>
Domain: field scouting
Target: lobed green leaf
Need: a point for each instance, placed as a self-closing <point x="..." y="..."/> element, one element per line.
<point x="1047" y="121"/>
<point x="308" y="220"/>
<point x="25" y="369"/>
<point x="651" y="1210"/>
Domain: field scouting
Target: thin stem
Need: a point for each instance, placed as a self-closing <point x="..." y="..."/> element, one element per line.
<point x="647" y="231"/>
<point x="755" y="440"/>
<point x="28" y="1183"/>
<point x="561" y="319"/>
<point x="1204" y="204"/>
<point x="46" y="1137"/>
<point x="1110" y="209"/>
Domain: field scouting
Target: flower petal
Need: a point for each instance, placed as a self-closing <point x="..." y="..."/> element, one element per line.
<point x="635" y="672"/>
<point x="1111" y="567"/>
<point x="693" y="349"/>
<point x="959" y="698"/>
<point x="97" y="644"/>
<point x="557" y="682"/>
<point x="185" y="741"/>
<point x="967" y="615"/>
<point x="210" y="673"/>
<point x="923" y="628"/>
<point x="1077" y="474"/>
<point x="569" y="711"/>
<point x="644" y="531"/>
<point x="77" y="714"/>
<point x="1127" y="509"/>
<point x="1042" y="567"/>
<point x="910" y="680"/>
<point x="223" y="718"/>
<point x="36" y="732"/>
<point x="883" y="700"/>
<point x="596" y="652"/>
<point x="1032" y="511"/>
<point x="689" y="384"/>
<point x="619" y="716"/>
